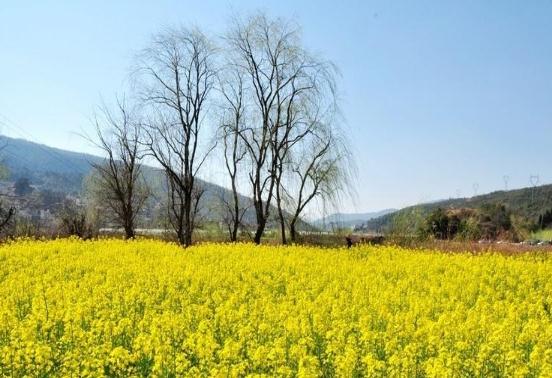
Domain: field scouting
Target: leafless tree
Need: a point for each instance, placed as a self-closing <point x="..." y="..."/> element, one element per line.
<point x="175" y="76"/>
<point x="231" y="85"/>
<point x="7" y="213"/>
<point x="321" y="172"/>
<point x="232" y="216"/>
<point x="281" y="77"/>
<point x="73" y="221"/>
<point x="120" y="184"/>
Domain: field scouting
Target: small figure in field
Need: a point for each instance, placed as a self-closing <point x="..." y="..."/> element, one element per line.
<point x="349" y="241"/>
<point x="360" y="240"/>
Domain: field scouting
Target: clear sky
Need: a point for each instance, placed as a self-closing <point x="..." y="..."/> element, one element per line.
<point x="438" y="95"/>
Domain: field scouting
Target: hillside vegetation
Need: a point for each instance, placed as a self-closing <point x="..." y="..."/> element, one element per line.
<point x="527" y="205"/>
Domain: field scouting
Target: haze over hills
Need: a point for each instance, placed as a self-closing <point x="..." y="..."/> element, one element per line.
<point x="349" y="219"/>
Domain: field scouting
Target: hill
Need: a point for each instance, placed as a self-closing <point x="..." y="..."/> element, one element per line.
<point x="61" y="174"/>
<point x="47" y="167"/>
<point x="344" y="220"/>
<point x="528" y="203"/>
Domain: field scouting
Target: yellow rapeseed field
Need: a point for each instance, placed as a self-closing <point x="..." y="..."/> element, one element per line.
<point x="147" y="308"/>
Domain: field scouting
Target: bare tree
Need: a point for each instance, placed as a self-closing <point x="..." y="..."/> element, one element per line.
<point x="321" y="172"/>
<point x="231" y="215"/>
<point x="73" y="220"/>
<point x="7" y="213"/>
<point x="231" y="86"/>
<point x="120" y="184"/>
<point x="281" y="77"/>
<point x="175" y="76"/>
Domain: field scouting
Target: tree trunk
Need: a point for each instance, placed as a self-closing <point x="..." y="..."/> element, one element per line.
<point x="282" y="225"/>
<point x="188" y="221"/>
<point x="180" y="234"/>
<point x="281" y="217"/>
<point x="180" y="226"/>
<point x="293" y="231"/>
<point x="235" y="226"/>
<point x="259" y="233"/>
<point x="283" y="231"/>
<point x="188" y="240"/>
<point x="281" y="213"/>
<point x="261" y="221"/>
<point x="234" y="234"/>
<point x="185" y="226"/>
<point x="129" y="232"/>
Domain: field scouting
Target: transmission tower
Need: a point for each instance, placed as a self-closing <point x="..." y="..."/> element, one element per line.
<point x="475" y="188"/>
<point x="506" y="179"/>
<point x="534" y="181"/>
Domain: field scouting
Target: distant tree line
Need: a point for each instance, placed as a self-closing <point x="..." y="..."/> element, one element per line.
<point x="492" y="221"/>
<point x="254" y="98"/>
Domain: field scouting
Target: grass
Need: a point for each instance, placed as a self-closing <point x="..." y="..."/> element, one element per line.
<point x="542" y="235"/>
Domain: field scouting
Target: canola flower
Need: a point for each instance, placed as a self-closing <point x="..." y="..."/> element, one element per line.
<point x="148" y="308"/>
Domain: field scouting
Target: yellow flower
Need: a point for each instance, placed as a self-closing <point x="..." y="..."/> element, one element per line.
<point x="147" y="308"/>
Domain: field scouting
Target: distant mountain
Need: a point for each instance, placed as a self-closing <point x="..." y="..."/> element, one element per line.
<point x="349" y="219"/>
<point x="528" y="203"/>
<point x="50" y="168"/>
<point x="63" y="172"/>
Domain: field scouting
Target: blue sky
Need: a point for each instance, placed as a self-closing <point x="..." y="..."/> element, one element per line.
<point x="437" y="95"/>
